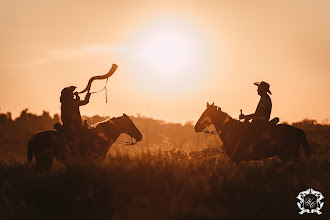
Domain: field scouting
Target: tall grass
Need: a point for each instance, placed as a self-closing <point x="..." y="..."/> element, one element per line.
<point x="173" y="173"/>
<point x="168" y="184"/>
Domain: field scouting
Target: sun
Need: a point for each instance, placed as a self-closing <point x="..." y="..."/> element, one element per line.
<point x="169" y="52"/>
<point x="169" y="58"/>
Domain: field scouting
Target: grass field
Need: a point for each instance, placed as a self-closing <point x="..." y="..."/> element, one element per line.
<point x="171" y="179"/>
<point x="171" y="184"/>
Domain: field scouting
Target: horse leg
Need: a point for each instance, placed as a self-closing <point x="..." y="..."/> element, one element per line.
<point x="290" y="151"/>
<point x="50" y="162"/>
<point x="305" y="144"/>
<point x="295" y="150"/>
<point x="233" y="162"/>
<point x="44" y="160"/>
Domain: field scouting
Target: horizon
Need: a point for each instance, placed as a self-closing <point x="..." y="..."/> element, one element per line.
<point x="324" y="122"/>
<point x="173" y="56"/>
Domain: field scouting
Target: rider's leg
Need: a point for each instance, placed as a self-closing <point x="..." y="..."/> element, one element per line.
<point x="258" y="138"/>
<point x="245" y="140"/>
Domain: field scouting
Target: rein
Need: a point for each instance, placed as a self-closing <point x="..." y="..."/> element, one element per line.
<point x="127" y="143"/>
<point x="207" y="132"/>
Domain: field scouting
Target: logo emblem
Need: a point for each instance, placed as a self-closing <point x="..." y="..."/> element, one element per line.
<point x="310" y="201"/>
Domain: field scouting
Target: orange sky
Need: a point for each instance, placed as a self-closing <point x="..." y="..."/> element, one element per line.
<point x="173" y="56"/>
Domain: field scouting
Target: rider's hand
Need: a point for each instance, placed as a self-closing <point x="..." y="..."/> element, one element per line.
<point x="241" y="116"/>
<point x="76" y="94"/>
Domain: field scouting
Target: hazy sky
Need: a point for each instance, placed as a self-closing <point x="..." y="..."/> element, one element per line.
<point x="173" y="56"/>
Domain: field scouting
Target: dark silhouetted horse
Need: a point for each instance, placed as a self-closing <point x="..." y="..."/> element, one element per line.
<point x="280" y="140"/>
<point x="93" y="144"/>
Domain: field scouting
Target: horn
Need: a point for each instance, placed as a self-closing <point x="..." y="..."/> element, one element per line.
<point x="111" y="71"/>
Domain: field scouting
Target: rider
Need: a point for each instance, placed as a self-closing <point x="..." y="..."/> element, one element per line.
<point x="71" y="102"/>
<point x="260" y="119"/>
<point x="264" y="108"/>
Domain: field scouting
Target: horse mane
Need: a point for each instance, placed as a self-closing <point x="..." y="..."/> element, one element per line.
<point x="226" y="115"/>
<point x="98" y="124"/>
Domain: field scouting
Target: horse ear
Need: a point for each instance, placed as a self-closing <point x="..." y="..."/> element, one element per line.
<point x="213" y="104"/>
<point x="125" y="115"/>
<point x="207" y="105"/>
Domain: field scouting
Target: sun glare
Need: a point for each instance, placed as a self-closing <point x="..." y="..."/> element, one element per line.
<point x="169" y="52"/>
<point x="170" y="56"/>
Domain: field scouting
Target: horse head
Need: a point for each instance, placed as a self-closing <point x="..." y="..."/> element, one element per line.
<point x="125" y="125"/>
<point x="207" y="118"/>
<point x="212" y="115"/>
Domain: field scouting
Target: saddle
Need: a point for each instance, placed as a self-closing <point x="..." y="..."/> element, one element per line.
<point x="270" y="123"/>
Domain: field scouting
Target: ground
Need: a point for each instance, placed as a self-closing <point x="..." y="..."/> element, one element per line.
<point x="172" y="184"/>
<point x="173" y="173"/>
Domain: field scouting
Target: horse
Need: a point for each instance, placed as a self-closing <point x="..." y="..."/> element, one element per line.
<point x="280" y="140"/>
<point x="93" y="144"/>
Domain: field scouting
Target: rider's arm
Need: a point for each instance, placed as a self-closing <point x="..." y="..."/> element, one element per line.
<point x="86" y="101"/>
<point x="261" y="112"/>
<point x="246" y="117"/>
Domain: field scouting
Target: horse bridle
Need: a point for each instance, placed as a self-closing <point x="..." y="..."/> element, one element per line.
<point x="127" y="143"/>
<point x="207" y="132"/>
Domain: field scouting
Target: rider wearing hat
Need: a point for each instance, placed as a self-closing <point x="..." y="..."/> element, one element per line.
<point x="260" y="119"/>
<point x="264" y="108"/>
<point x="70" y="113"/>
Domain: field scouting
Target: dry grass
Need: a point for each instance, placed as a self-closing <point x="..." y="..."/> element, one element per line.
<point x="173" y="174"/>
<point x="170" y="184"/>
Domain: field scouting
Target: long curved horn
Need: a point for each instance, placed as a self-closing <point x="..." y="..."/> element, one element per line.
<point x="111" y="71"/>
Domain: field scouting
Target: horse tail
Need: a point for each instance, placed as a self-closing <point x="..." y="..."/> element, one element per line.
<point x="305" y="144"/>
<point x="30" y="150"/>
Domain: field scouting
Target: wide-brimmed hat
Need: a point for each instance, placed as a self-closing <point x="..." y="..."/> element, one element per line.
<point x="66" y="93"/>
<point x="68" y="90"/>
<point x="263" y="85"/>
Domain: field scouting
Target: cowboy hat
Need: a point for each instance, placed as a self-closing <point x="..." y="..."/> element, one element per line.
<point x="66" y="93"/>
<point x="263" y="85"/>
<point x="69" y="89"/>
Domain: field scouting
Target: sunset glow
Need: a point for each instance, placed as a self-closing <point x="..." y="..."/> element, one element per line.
<point x="164" y="109"/>
<point x="172" y="56"/>
<point x="169" y="57"/>
<point x="169" y="52"/>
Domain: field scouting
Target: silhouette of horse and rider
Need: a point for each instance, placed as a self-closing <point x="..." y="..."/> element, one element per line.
<point x="262" y="138"/>
<point x="75" y="139"/>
